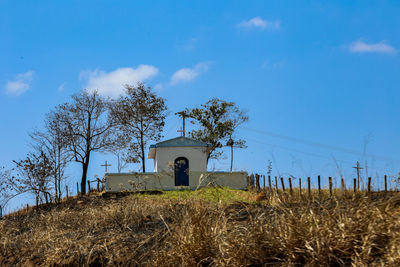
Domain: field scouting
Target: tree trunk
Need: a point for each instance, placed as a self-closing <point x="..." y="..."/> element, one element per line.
<point x="85" y="166"/>
<point x="231" y="157"/>
<point x="142" y="152"/>
<point x="119" y="163"/>
<point x="59" y="187"/>
<point x="59" y="175"/>
<point x="37" y="200"/>
<point x="209" y="154"/>
<point x="56" y="187"/>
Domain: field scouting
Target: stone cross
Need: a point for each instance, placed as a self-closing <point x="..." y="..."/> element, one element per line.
<point x="106" y="165"/>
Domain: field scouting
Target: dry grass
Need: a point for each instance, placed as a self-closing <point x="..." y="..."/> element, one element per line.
<point x="209" y="227"/>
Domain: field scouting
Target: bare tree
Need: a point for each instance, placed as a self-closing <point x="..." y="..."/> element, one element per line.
<point x="140" y="114"/>
<point x="54" y="144"/>
<point x="5" y="191"/>
<point x="32" y="176"/>
<point x="120" y="149"/>
<point x="86" y="127"/>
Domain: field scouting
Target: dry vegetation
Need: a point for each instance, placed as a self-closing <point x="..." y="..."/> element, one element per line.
<point x="206" y="227"/>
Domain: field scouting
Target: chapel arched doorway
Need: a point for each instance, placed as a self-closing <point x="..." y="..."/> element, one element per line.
<point x="181" y="171"/>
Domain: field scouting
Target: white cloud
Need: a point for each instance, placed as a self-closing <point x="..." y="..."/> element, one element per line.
<point x="112" y="83"/>
<point x="362" y="47"/>
<point x="61" y="87"/>
<point x="21" y="84"/>
<point x="189" y="74"/>
<point x="258" y="22"/>
<point x="190" y="45"/>
<point x="158" y="86"/>
<point x="273" y="66"/>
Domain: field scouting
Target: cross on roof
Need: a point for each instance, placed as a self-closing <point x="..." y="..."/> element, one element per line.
<point x="106" y="165"/>
<point x="181" y="131"/>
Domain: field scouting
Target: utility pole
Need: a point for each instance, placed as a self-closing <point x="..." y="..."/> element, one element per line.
<point x="358" y="168"/>
<point x="183" y="125"/>
<point x="183" y="115"/>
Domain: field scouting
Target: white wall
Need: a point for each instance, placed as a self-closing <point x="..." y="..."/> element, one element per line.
<point x="116" y="182"/>
<point x="165" y="157"/>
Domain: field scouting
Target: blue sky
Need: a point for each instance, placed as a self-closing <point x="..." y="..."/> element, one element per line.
<point x="320" y="81"/>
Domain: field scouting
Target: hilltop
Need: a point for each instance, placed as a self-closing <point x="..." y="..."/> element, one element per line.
<point x="211" y="226"/>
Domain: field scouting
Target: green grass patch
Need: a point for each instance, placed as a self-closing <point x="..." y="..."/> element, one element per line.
<point x="212" y="194"/>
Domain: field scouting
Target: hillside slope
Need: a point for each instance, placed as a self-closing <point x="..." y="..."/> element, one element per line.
<point x="207" y="227"/>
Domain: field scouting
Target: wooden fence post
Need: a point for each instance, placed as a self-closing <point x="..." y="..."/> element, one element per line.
<point x="258" y="182"/>
<point x="354" y="185"/>
<point x="385" y="177"/>
<point x="290" y="186"/>
<point x="252" y="181"/>
<point x="269" y="183"/>
<point x="283" y="184"/>
<point x="88" y="185"/>
<point x="66" y="190"/>
<point x="330" y="186"/>
<point x="276" y="184"/>
<point x="343" y="186"/>
<point x="98" y="185"/>
<point x="263" y="176"/>
<point x="248" y="181"/>
<point x="300" y="186"/>
<point x="319" y="184"/>
<point x="369" y="185"/>
<point x="309" y="187"/>
<point x="77" y="188"/>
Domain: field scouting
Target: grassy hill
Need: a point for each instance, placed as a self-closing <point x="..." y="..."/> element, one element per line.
<point x="205" y="227"/>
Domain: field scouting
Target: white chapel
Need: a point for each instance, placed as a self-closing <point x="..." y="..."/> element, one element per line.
<point x="179" y="162"/>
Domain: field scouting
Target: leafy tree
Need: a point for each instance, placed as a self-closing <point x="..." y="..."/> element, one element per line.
<point x="217" y="120"/>
<point x="140" y="115"/>
<point x="86" y="128"/>
<point x="54" y="144"/>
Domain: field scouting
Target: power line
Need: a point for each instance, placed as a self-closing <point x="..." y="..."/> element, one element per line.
<point x="316" y="144"/>
<point x="174" y="126"/>
<point x="296" y="150"/>
<point x="307" y="153"/>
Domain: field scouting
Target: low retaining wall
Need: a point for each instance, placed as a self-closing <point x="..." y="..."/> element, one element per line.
<point x="116" y="182"/>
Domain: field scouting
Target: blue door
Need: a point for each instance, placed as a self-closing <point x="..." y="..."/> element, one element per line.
<point x="181" y="171"/>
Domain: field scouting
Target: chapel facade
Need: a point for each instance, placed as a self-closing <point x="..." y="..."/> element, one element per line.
<point x="180" y="155"/>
